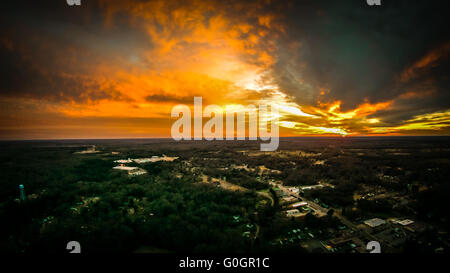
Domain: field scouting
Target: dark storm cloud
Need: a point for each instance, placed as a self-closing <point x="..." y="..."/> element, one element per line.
<point x="356" y="50"/>
<point x="316" y="51"/>
<point x="38" y="76"/>
<point x="346" y="46"/>
<point x="50" y="51"/>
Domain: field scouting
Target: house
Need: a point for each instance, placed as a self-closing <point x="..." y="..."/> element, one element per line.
<point x="353" y="244"/>
<point x="124" y="168"/>
<point x="132" y="171"/>
<point x="299" y="204"/>
<point x="292" y="212"/>
<point x="289" y="199"/>
<point x="137" y="171"/>
<point x="405" y="222"/>
<point x="375" y="222"/>
<point x="91" y="150"/>
<point x="154" y="158"/>
<point x="312" y="187"/>
<point x="123" y="161"/>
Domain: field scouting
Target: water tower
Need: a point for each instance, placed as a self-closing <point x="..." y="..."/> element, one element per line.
<point x="21" y="193"/>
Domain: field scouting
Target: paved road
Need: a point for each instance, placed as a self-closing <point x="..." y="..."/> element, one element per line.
<point x="319" y="209"/>
<point x="230" y="186"/>
<point x="323" y="211"/>
<point x="267" y="195"/>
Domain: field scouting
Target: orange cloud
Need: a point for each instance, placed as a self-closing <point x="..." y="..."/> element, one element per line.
<point x="425" y="62"/>
<point x="437" y="122"/>
<point x="417" y="94"/>
<point x="223" y="51"/>
<point x="197" y="48"/>
<point x="333" y="112"/>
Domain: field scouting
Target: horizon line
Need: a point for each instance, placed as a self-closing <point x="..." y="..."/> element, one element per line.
<point x="170" y="138"/>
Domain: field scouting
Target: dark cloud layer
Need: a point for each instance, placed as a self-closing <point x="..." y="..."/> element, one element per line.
<point x="357" y="51"/>
<point x="318" y="52"/>
<point x="50" y="51"/>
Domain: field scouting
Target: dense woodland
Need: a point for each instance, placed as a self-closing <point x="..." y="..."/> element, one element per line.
<point x="80" y="197"/>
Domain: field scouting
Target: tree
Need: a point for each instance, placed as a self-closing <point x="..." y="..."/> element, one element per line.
<point x="330" y="213"/>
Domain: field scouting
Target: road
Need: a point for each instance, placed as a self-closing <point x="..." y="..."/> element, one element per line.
<point x="233" y="187"/>
<point x="323" y="211"/>
<point x="229" y="186"/>
<point x="320" y="211"/>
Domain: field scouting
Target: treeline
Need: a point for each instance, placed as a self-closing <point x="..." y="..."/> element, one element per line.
<point x="239" y="177"/>
<point x="83" y="199"/>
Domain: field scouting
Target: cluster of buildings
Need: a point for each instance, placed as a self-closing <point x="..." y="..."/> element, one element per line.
<point x="90" y="150"/>
<point x="147" y="159"/>
<point x="294" y="206"/>
<point x="320" y="185"/>
<point x="347" y="238"/>
<point x="133" y="171"/>
<point x="298" y="209"/>
<point x="346" y="244"/>
<point x="390" y="233"/>
<point x="295" y="236"/>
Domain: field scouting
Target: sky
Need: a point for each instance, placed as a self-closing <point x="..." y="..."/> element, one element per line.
<point x="115" y="69"/>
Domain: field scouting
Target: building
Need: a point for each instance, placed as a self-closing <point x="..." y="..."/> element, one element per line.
<point x="142" y="160"/>
<point x="312" y="187"/>
<point x="292" y="212"/>
<point x="345" y="244"/>
<point x="405" y="222"/>
<point x="289" y="199"/>
<point x="375" y="222"/>
<point x="91" y="150"/>
<point x="147" y="159"/>
<point x="123" y="161"/>
<point x="299" y="204"/>
<point x="137" y="171"/>
<point x="131" y="170"/>
<point x="124" y="168"/>
<point x="155" y="158"/>
<point x="21" y="192"/>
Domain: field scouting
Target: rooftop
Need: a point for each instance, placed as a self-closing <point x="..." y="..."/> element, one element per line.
<point x="299" y="204"/>
<point x="405" y="222"/>
<point x="125" y="168"/>
<point x="374" y="222"/>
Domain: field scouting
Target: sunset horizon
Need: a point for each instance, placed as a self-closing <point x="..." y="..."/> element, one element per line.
<point x="116" y="69"/>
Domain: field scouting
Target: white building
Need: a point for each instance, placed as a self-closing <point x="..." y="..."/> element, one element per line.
<point x="131" y="170"/>
<point x="123" y="161"/>
<point x="311" y="187"/>
<point x="147" y="159"/>
<point x="405" y="222"/>
<point x="375" y="222"/>
<point x="292" y="212"/>
<point x="137" y="171"/>
<point x="294" y="189"/>
<point x="299" y="204"/>
<point x="124" y="168"/>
